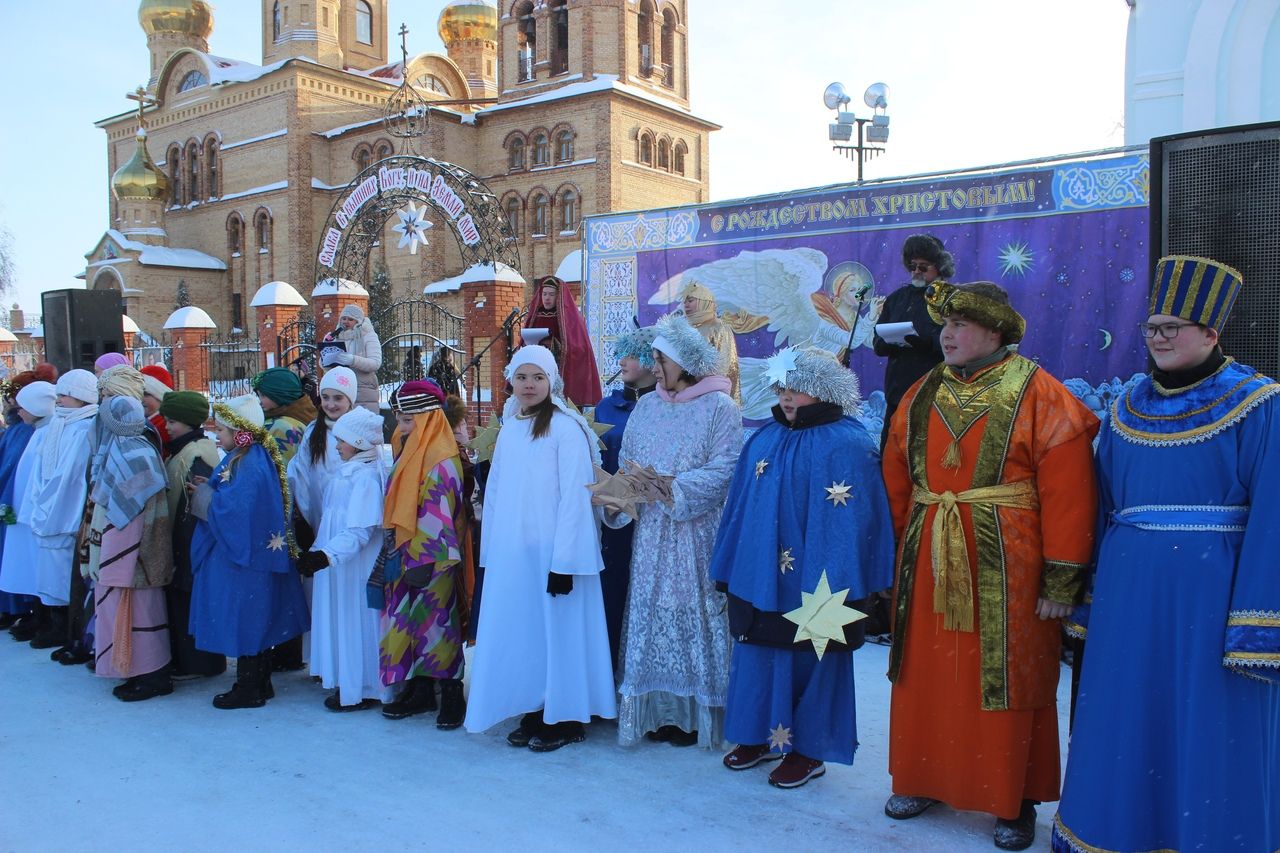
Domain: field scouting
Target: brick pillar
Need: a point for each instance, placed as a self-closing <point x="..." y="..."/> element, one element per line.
<point x="328" y="306"/>
<point x="485" y="305"/>
<point x="190" y="362"/>
<point x="271" y="319"/>
<point x="8" y="353"/>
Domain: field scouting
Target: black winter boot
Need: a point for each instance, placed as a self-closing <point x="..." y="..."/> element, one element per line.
<point x="248" y="691"/>
<point x="453" y="708"/>
<point x="417" y="697"/>
<point x="26" y="628"/>
<point x="54" y="633"/>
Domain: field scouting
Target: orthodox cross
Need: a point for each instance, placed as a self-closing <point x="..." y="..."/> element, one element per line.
<point x="144" y="100"/>
<point x="404" y="47"/>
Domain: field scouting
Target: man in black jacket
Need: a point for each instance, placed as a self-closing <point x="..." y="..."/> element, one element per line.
<point x="927" y="261"/>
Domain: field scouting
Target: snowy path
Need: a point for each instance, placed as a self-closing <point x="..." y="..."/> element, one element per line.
<point x="84" y="771"/>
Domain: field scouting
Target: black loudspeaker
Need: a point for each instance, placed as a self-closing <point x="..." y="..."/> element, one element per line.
<point x="1216" y="194"/>
<point x="80" y="325"/>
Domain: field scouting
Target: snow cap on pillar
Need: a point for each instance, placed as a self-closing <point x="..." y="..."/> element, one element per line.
<point x="277" y="293"/>
<point x="190" y="317"/>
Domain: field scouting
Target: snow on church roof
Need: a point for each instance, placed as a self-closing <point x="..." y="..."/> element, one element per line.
<point x="163" y="256"/>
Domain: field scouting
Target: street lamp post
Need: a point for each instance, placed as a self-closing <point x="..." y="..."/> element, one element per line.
<point x="845" y="126"/>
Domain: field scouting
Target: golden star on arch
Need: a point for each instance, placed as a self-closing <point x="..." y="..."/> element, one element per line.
<point x="276" y="543"/>
<point x="838" y="493"/>
<point x="785" y="561"/>
<point x="779" y="737"/>
<point x="822" y="615"/>
<point x="760" y="466"/>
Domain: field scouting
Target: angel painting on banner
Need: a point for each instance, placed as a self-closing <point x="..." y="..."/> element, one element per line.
<point x="792" y="293"/>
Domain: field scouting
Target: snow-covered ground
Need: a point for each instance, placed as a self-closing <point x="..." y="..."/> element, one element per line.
<point x="84" y="771"/>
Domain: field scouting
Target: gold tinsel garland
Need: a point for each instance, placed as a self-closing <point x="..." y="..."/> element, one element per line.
<point x="224" y="413"/>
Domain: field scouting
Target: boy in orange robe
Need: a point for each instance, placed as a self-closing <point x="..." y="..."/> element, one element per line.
<point x="989" y="472"/>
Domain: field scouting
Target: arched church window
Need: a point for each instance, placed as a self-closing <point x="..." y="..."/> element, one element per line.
<point x="192" y="80"/>
<point x="526" y="41"/>
<point x="559" y="37"/>
<point x="564" y="146"/>
<point x="646" y="149"/>
<point x="541" y="150"/>
<point x="262" y="228"/>
<point x="193" y="173"/>
<point x="174" y="161"/>
<point x="513" y="216"/>
<point x="515" y="155"/>
<point x="211" y="168"/>
<point x="568" y="210"/>
<point x="677" y="163"/>
<point x="275" y="21"/>
<point x="382" y="151"/>
<point x="541" y="209"/>
<point x="669" y="48"/>
<point x="363" y="157"/>
<point x="364" y="22"/>
<point x="664" y="154"/>
<point x="235" y="234"/>
<point x="646" y="37"/>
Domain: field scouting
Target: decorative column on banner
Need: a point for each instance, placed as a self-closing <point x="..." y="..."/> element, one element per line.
<point x="490" y="296"/>
<point x="131" y="331"/>
<point x="277" y="305"/>
<point x="188" y="327"/>
<point x="330" y="296"/>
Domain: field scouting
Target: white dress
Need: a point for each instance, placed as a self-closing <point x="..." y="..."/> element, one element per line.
<point x="534" y="650"/>
<point x="55" y="508"/>
<point x="18" y="569"/>
<point x="344" y="629"/>
<point x="307" y="481"/>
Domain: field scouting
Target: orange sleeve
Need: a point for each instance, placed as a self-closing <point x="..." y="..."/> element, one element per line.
<point x="893" y="464"/>
<point x="1068" y="516"/>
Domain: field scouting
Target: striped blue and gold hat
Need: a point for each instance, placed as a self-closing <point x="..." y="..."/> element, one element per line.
<point x="1195" y="289"/>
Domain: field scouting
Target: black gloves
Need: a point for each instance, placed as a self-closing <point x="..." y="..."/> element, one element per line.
<point x="311" y="562"/>
<point x="559" y="584"/>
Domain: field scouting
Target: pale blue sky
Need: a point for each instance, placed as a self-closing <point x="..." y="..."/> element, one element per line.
<point x="974" y="83"/>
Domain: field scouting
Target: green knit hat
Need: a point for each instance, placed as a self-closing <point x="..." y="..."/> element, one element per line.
<point x="280" y="384"/>
<point x="187" y="407"/>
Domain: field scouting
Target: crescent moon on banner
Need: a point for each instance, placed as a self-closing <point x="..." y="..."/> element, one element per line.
<point x="1106" y="339"/>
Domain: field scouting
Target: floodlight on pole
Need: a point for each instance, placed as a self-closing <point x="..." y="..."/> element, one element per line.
<point x="876" y="97"/>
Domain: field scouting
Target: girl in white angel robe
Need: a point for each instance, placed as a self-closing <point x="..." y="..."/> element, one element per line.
<point x="18" y="570"/>
<point x="675" y="645"/>
<point x="344" y="629"/>
<point x="784" y="289"/>
<point x="60" y="486"/>
<point x="542" y="648"/>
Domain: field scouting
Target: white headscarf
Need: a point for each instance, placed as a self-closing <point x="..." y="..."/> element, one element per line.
<point x="543" y="359"/>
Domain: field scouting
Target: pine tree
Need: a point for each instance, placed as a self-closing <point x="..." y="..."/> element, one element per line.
<point x="184" y="297"/>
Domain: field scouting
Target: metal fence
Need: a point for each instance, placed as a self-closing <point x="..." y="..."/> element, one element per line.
<point x="233" y="362"/>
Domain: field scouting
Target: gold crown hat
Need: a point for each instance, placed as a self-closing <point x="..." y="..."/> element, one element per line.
<point x="943" y="300"/>
<point x="1196" y="289"/>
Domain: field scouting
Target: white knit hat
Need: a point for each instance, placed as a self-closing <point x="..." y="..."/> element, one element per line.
<point x="342" y="380"/>
<point x="38" y="398"/>
<point x="246" y="406"/>
<point x="360" y="428"/>
<point x="80" y="384"/>
<point x="154" y="387"/>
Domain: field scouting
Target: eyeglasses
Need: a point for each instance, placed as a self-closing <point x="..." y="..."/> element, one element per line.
<point x="1168" y="331"/>
<point x="919" y="267"/>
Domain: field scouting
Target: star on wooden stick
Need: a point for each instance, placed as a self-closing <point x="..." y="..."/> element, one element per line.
<point x="760" y="466"/>
<point x="614" y="492"/>
<point x="485" y="440"/>
<point x="822" y="615"/>
<point x="838" y="493"/>
<point x="785" y="561"/>
<point x="276" y="543"/>
<point x="779" y="738"/>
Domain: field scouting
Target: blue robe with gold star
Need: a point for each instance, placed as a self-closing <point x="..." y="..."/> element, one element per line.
<point x="1176" y="743"/>
<point x="246" y="595"/>
<point x="817" y="505"/>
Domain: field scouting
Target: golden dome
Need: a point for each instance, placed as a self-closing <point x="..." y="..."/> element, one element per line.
<point x="140" y="178"/>
<point x="468" y="19"/>
<point x="188" y="17"/>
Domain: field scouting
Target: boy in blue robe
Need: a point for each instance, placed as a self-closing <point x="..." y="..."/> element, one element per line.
<point x="806" y="532"/>
<point x="246" y="595"/>
<point x="634" y="351"/>
<point x="1176" y="744"/>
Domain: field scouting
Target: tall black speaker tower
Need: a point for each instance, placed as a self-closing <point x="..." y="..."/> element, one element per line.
<point x="80" y="325"/>
<point x="1216" y="194"/>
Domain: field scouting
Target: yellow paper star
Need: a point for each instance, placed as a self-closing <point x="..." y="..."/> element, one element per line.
<point x="838" y="493"/>
<point x="785" y="560"/>
<point x="590" y="417"/>
<point x="760" y="466"/>
<point x="822" y="615"/>
<point x="225" y="476"/>
<point x="779" y="737"/>
<point x="485" y="440"/>
<point x="276" y="542"/>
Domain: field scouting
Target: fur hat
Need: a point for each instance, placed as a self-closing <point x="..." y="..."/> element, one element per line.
<point x="929" y="248"/>
<point x="340" y="379"/>
<point x="360" y="428"/>
<point x="246" y="408"/>
<point x="983" y="302"/>
<point x="686" y="346"/>
<point x="80" y="384"/>
<point x="38" y="398"/>
<point x="121" y="381"/>
<point x="637" y="344"/>
<point x="817" y="373"/>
